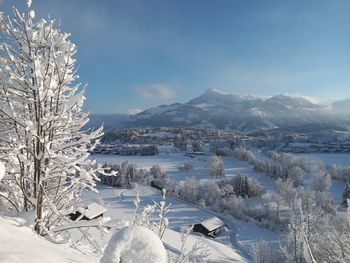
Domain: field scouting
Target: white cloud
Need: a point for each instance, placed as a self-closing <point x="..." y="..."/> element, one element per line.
<point x="159" y="90"/>
<point x="133" y="111"/>
<point x="309" y="98"/>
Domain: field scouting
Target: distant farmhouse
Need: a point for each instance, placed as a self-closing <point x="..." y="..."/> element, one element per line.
<point x="92" y="211"/>
<point x="209" y="227"/>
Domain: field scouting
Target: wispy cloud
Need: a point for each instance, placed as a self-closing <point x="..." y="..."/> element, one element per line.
<point x="132" y="111"/>
<point x="309" y="98"/>
<point x="159" y="90"/>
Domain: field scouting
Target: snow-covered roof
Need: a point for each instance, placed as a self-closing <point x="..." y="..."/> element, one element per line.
<point x="92" y="210"/>
<point x="212" y="223"/>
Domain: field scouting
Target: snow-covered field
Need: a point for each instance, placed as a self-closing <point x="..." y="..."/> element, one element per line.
<point x="171" y="162"/>
<point x="119" y="203"/>
<point x="242" y="236"/>
<point x="232" y="245"/>
<point x="20" y="244"/>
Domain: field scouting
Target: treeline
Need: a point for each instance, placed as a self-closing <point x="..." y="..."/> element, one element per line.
<point x="127" y="174"/>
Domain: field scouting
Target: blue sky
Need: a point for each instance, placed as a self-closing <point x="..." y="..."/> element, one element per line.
<point x="135" y="54"/>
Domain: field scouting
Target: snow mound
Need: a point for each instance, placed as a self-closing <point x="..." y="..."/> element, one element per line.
<point x="135" y="244"/>
<point x="2" y="170"/>
<point x="19" y="244"/>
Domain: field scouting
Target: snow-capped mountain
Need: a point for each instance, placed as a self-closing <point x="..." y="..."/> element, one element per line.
<point x="227" y="111"/>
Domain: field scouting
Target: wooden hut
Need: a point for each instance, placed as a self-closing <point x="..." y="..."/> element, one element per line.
<point x="92" y="211"/>
<point x="209" y="227"/>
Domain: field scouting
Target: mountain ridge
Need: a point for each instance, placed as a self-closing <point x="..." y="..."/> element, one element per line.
<point x="246" y="113"/>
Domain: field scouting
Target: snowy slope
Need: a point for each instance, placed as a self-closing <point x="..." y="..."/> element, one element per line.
<point x="20" y="244"/>
<point x="120" y="205"/>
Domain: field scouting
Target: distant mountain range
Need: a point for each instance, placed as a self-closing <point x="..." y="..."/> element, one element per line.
<point x="227" y="111"/>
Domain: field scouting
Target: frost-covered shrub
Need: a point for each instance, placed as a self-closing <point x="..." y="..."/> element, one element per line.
<point x="339" y="172"/>
<point x="255" y="188"/>
<point x="157" y="172"/>
<point x="227" y="190"/>
<point x="236" y="206"/>
<point x="223" y="152"/>
<point x="187" y="166"/>
<point x="190" y="190"/>
<point x="216" y="145"/>
<point x="180" y="142"/>
<point x="263" y="252"/>
<point x="196" y="146"/>
<point x="244" y="154"/>
<point x="279" y="171"/>
<point x="216" y="167"/>
<point x="321" y="181"/>
<point x="285" y="189"/>
<point x="296" y="174"/>
<point x="242" y="186"/>
<point x="212" y="193"/>
<point x="289" y="160"/>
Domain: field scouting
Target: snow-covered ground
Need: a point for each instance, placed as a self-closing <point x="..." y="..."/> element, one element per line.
<point x="240" y="235"/>
<point x="119" y="203"/>
<point x="19" y="244"/>
<point x="170" y="162"/>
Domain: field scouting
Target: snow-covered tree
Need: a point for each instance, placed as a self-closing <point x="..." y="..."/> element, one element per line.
<point x="216" y="167"/>
<point x="199" y="251"/>
<point x="180" y="142"/>
<point x="213" y="192"/>
<point x="187" y="166"/>
<point x="157" y="172"/>
<point x="346" y="195"/>
<point x="286" y="191"/>
<point x="190" y="191"/>
<point x="321" y="181"/>
<point x="263" y="252"/>
<point x="196" y="146"/>
<point x="41" y="114"/>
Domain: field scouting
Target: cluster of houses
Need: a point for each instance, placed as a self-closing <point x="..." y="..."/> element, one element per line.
<point x="126" y="149"/>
